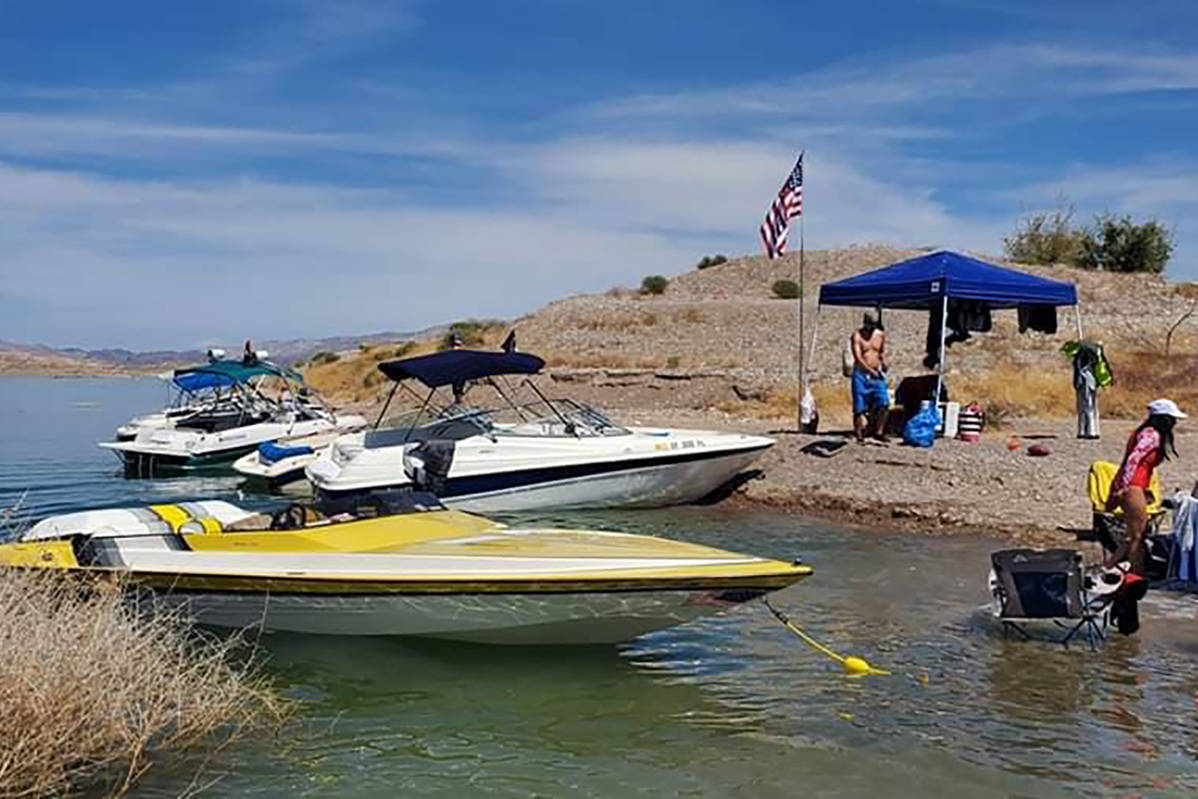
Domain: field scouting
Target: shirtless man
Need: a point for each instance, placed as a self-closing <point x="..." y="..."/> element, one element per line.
<point x="870" y="394"/>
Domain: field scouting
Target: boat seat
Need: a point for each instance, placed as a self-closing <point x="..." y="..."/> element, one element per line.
<point x="250" y="524"/>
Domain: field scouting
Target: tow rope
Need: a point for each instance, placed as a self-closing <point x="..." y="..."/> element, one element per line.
<point x="853" y="666"/>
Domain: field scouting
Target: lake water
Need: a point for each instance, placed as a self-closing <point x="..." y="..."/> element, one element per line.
<point x="730" y="706"/>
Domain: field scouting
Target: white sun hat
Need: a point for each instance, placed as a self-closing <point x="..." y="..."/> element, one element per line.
<point x="1166" y="407"/>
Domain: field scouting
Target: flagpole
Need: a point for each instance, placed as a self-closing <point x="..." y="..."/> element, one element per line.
<point x="802" y="347"/>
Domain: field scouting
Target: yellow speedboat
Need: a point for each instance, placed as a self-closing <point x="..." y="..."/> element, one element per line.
<point x="406" y="566"/>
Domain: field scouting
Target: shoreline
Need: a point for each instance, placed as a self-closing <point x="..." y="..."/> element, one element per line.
<point x="956" y="488"/>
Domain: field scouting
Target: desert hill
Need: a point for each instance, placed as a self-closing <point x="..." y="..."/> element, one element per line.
<point x="719" y="338"/>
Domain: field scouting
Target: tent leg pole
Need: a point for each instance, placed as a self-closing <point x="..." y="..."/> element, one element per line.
<point x="1077" y="317"/>
<point x="940" y="366"/>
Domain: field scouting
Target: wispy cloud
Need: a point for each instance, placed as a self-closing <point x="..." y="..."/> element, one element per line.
<point x="883" y="84"/>
<point x="311" y="31"/>
<point x="189" y="190"/>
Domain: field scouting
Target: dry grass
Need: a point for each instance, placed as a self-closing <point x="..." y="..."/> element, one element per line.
<point x="831" y="397"/>
<point x="356" y="378"/>
<point x="91" y="691"/>
<point x="1144" y="376"/>
<point x="1009" y="391"/>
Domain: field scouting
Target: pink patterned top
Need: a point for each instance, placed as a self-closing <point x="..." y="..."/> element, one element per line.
<point x="1142" y="457"/>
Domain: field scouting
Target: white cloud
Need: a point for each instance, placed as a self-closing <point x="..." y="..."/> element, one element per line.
<point x="90" y="258"/>
<point x="188" y="261"/>
<point x="879" y="86"/>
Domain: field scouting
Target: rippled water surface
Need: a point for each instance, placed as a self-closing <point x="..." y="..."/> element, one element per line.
<point x="731" y="706"/>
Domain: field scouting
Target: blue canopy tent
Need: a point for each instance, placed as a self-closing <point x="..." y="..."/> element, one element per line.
<point x="930" y="281"/>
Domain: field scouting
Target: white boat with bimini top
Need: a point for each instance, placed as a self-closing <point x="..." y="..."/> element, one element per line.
<point x="546" y="453"/>
<point x="401" y="565"/>
<point x="224" y="409"/>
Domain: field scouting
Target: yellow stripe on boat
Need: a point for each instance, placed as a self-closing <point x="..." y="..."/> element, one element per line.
<point x="173" y="515"/>
<point x="763" y="575"/>
<point x="40" y="554"/>
<point x="386" y="534"/>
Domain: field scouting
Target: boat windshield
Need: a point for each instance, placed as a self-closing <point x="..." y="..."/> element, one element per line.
<point x="541" y="416"/>
<point x="233" y="403"/>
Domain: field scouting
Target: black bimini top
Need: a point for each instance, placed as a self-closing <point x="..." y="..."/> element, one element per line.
<point x="458" y="366"/>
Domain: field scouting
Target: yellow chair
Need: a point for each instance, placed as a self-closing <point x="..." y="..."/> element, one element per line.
<point x="1108" y="527"/>
<point x="1098" y="488"/>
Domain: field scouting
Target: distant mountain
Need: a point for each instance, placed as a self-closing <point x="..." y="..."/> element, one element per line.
<point x="19" y="357"/>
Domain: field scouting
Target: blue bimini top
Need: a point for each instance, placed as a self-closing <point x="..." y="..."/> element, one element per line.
<point x="458" y="366"/>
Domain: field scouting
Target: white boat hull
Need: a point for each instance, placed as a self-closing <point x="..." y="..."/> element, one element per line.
<point x="653" y="486"/>
<point x="645" y="469"/>
<point x="426" y="572"/>
<point x="515" y="619"/>
<point x="184" y="449"/>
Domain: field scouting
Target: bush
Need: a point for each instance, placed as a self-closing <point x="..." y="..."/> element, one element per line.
<point x="708" y="261"/>
<point x="1117" y="244"/>
<point x="786" y="290"/>
<point x="94" y="692"/>
<point x="654" y="284"/>
<point x="1113" y="244"/>
<point x="1047" y="238"/>
<point x="323" y="357"/>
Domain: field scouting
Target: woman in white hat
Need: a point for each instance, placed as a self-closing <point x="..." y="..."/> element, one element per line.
<point x="1149" y="445"/>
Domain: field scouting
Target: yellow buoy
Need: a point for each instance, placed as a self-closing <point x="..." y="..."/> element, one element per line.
<point x="853" y="666"/>
<point x="856" y="666"/>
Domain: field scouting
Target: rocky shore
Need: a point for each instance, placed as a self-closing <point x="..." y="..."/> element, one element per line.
<point x="954" y="488"/>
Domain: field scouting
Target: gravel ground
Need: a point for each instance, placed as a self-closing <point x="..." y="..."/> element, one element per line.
<point x="953" y="488"/>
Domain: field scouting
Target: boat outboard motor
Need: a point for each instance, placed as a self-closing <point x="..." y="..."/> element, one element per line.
<point x="427" y="464"/>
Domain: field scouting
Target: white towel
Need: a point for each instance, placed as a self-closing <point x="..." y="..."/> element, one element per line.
<point x="1185" y="532"/>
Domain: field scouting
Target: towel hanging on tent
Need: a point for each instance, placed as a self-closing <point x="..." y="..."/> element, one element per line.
<point x="1040" y="318"/>
<point x="964" y="317"/>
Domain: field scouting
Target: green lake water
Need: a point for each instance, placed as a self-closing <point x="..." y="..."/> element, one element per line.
<point x="728" y="706"/>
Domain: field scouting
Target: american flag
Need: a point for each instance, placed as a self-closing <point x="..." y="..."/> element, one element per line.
<point x="785" y="207"/>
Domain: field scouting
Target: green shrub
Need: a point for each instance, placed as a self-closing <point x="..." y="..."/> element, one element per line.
<point x="324" y="356"/>
<point x="708" y="261"/>
<point x="654" y="284"/>
<point x="786" y="290"/>
<point x="1047" y="238"/>
<point x="1117" y="244"/>
<point x="1113" y="244"/>
<point x="472" y="332"/>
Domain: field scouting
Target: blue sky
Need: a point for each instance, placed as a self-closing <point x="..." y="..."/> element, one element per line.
<point x="174" y="174"/>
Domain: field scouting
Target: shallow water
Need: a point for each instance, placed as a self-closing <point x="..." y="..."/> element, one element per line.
<point x="730" y="706"/>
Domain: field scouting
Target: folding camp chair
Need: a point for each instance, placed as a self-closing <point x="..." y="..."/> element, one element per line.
<point x="1031" y="584"/>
